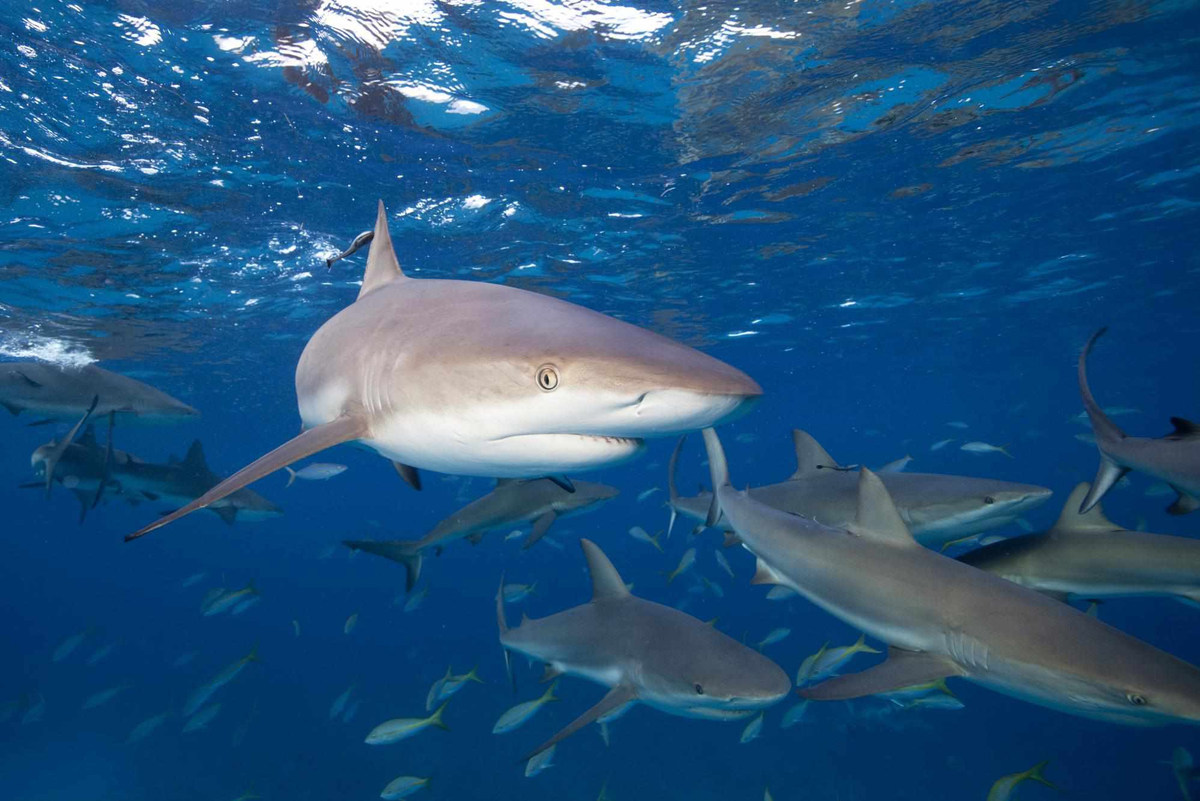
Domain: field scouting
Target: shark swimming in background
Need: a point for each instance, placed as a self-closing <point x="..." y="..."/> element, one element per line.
<point x="1173" y="459"/>
<point x="482" y="379"/>
<point x="63" y="393"/>
<point x="88" y="469"/>
<point x="645" y="653"/>
<point x="512" y="503"/>
<point x="1089" y="556"/>
<point x="937" y="508"/>
<point x="941" y="618"/>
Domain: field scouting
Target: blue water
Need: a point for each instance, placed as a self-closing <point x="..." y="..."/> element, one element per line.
<point x="893" y="215"/>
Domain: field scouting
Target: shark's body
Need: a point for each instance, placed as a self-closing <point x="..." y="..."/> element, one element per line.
<point x="942" y="618"/>
<point x="81" y="468"/>
<point x="483" y="379"/>
<point x="937" y="508"/>
<point x="1088" y="556"/>
<point x="645" y="653"/>
<point x="514" y="502"/>
<point x="63" y="393"/>
<point x="1173" y="459"/>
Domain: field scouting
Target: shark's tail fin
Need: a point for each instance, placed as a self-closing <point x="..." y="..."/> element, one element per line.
<point x="672" y="490"/>
<point x="502" y="624"/>
<point x="1106" y="431"/>
<point x="406" y="553"/>
<point x="291" y="477"/>
<point x="718" y="469"/>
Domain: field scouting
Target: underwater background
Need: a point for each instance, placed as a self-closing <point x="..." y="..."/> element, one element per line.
<point x="893" y="215"/>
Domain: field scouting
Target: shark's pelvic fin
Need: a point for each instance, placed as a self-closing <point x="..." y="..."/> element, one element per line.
<point x="410" y="474"/>
<point x="617" y="697"/>
<point x="343" y="429"/>
<point x="540" y="527"/>
<point x="1071" y="520"/>
<point x="606" y="581"/>
<point x="382" y="266"/>
<point x="902" y="669"/>
<point x="765" y="574"/>
<point x="877" y="517"/>
<point x="810" y="456"/>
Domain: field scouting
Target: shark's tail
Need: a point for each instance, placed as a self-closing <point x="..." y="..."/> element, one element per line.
<point x="502" y="624"/>
<point x="1105" y="430"/>
<point x="401" y="551"/>
<point x="672" y="490"/>
<point x="718" y="470"/>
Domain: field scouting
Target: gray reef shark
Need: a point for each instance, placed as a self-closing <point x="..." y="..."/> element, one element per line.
<point x="937" y="508"/>
<point x="941" y="618"/>
<point x="1089" y="556"/>
<point x="1173" y="459"/>
<point x="645" y="653"/>
<point x="88" y="469"/>
<point x="482" y="379"/>
<point x="64" y="393"/>
<point x="514" y="502"/>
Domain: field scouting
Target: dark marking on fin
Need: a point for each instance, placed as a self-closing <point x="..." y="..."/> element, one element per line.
<point x="563" y="482"/>
<point x="410" y="474"/>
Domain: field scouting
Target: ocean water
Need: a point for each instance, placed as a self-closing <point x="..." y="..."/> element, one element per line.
<point x="893" y="215"/>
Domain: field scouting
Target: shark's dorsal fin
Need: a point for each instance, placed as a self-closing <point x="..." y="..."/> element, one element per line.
<point x="194" y="461"/>
<point x="606" y="581"/>
<point x="1093" y="520"/>
<point x="811" y="458"/>
<point x="1184" y="429"/>
<point x="877" y="517"/>
<point x="382" y="266"/>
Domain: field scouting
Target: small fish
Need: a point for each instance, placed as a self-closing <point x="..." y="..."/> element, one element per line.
<point x="767" y="794"/>
<point x="781" y="593"/>
<point x="456" y="683"/>
<point x="938" y="701"/>
<point x="983" y="447"/>
<point x="1112" y="411"/>
<point x="360" y="241"/>
<point x="317" y="471"/>
<point x="685" y="563"/>
<point x="794" y="715"/>
<point x="227" y="674"/>
<point x="827" y="660"/>
<point x="185" y="659"/>
<point x="104" y="696"/>
<point x="753" y="728"/>
<point x="193" y="579"/>
<point x="644" y="494"/>
<point x="712" y="587"/>
<point x="553" y="543"/>
<point x="435" y="692"/>
<point x="351" y="622"/>
<point x="513" y="535"/>
<point x="540" y="762"/>
<point x="724" y="563"/>
<point x="917" y="690"/>
<point x="416" y="599"/>
<point x="941" y="443"/>
<point x="604" y="735"/>
<point x="513" y="593"/>
<point x="896" y="466"/>
<point x="102" y="653"/>
<point x="957" y="424"/>
<point x="68" y="646"/>
<point x="520" y="714"/>
<point x="201" y="719"/>
<point x="1087" y="438"/>
<point x="1003" y="789"/>
<point x="1184" y="768"/>
<point x="339" y="703"/>
<point x="351" y="712"/>
<point x="35" y="712"/>
<point x="210" y="597"/>
<point x="639" y="533"/>
<point x="296" y="627"/>
<point x="245" y="604"/>
<point x="228" y="600"/>
<point x="397" y="729"/>
<point x="775" y="636"/>
<point x="746" y="438"/>
<point x="147" y="727"/>
<point x="403" y="787"/>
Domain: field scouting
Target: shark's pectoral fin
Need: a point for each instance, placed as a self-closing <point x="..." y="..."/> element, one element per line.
<point x="343" y="429"/>
<point x="1184" y="504"/>
<point x="410" y="474"/>
<point x="1107" y="475"/>
<point x="550" y="673"/>
<point x="227" y="513"/>
<point x="617" y="697"/>
<point x="902" y="669"/>
<point x="56" y="453"/>
<point x="540" y="527"/>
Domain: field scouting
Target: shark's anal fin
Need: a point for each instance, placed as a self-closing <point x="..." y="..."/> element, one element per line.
<point x="410" y="474"/>
<point x="540" y="527"/>
<point x="343" y="429"/>
<point x="617" y="697"/>
<point x="902" y="669"/>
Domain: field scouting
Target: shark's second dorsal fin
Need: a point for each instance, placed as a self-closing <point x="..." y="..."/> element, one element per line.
<point x="1184" y="429"/>
<point x="877" y="517"/>
<point x="1093" y="520"/>
<point x="194" y="461"/>
<point x="382" y="266"/>
<point x="606" y="581"/>
<point x="811" y="458"/>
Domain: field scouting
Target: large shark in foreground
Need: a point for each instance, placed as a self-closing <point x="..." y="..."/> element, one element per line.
<point x="941" y="618"/>
<point x="645" y="653"/>
<point x="1174" y="459"/>
<point x="64" y="393"/>
<point x="482" y="379"/>
<point x="514" y="502"/>
<point x="937" y="508"/>
<point x="1089" y="556"/>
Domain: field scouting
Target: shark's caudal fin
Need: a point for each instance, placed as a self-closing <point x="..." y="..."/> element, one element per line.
<point x="718" y="471"/>
<point x="309" y="442"/>
<point x="382" y="265"/>
<point x="877" y="517"/>
<point x="1105" y="430"/>
<point x="56" y="453"/>
<point x="400" y="551"/>
<point x="1071" y="520"/>
<point x="617" y="697"/>
<point x="672" y="489"/>
<point x="502" y="625"/>
<point x="606" y="581"/>
<point x="902" y="669"/>
<point x="811" y="458"/>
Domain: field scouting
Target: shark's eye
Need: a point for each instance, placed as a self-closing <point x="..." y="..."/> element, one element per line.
<point x="988" y="499"/>
<point x="1135" y="699"/>
<point x="699" y="688"/>
<point x="547" y="377"/>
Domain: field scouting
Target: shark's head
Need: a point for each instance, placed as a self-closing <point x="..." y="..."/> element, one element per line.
<point x="1148" y="700"/>
<point x="955" y="506"/>
<point x="589" y="495"/>
<point x="724" y="680"/>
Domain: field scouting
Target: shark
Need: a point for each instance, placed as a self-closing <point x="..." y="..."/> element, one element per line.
<point x="89" y="469"/>
<point x="644" y="653"/>
<point x="1085" y="556"/>
<point x="482" y="379"/>
<point x="941" y="618"/>
<point x="54" y="392"/>
<point x="937" y="508"/>
<point x="514" y="502"/>
<point x="1173" y="459"/>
